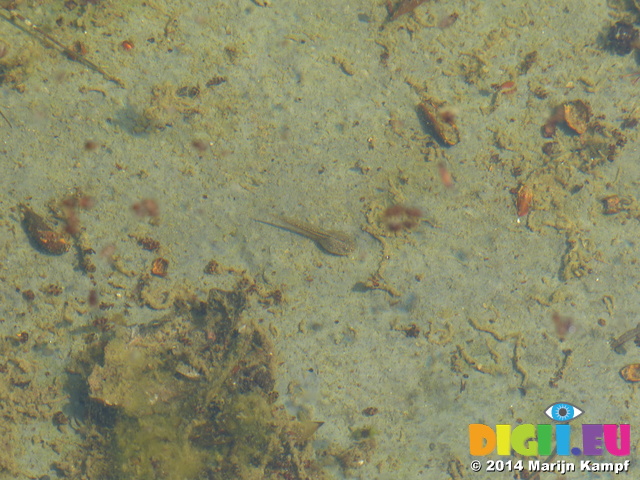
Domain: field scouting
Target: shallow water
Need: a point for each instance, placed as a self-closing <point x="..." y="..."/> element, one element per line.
<point x="231" y="111"/>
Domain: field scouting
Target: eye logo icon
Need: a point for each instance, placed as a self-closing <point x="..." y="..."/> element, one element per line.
<point x="563" y="412"/>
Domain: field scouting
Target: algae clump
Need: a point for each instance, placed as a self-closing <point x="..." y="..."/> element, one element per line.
<point x="189" y="396"/>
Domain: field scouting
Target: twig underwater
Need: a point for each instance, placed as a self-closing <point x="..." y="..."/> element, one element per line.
<point x="5" y="119"/>
<point x="28" y="27"/>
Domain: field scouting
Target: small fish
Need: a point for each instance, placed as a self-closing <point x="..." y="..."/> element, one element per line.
<point x="336" y="243"/>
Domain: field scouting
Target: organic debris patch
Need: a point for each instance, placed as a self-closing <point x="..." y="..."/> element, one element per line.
<point x="190" y="395"/>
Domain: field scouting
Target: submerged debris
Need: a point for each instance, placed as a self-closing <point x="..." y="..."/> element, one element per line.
<point x="190" y="395"/>
<point x="47" y="40"/>
<point x="43" y="236"/>
<point x="524" y="198"/>
<point x="398" y="217"/>
<point x="631" y="373"/>
<point x="576" y="114"/>
<point x="442" y="121"/>
<point x="623" y="38"/>
<point x="159" y="267"/>
<point x="633" y="334"/>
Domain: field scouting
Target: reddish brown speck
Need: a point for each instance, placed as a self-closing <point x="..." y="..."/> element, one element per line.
<point x="506" y="88"/>
<point x="445" y="175"/>
<point x="449" y="20"/>
<point x="413" y="212"/>
<point x="146" y="208"/>
<point x="394" y="211"/>
<point x="90" y="145"/>
<point x="160" y="267"/>
<point x="28" y="295"/>
<point x="200" y="145"/>
<point x="93" y="298"/>
<point x="563" y="325"/>
<point x="399" y="217"/>
<point x="523" y="200"/>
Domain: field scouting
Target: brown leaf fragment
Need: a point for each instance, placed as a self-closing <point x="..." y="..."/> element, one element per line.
<point x="442" y="121"/>
<point x="42" y="235"/>
<point x="577" y="115"/>
<point x="631" y="373"/>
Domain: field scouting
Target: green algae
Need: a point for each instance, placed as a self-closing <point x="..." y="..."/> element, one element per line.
<point x="188" y="396"/>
